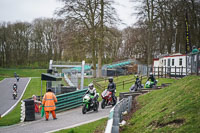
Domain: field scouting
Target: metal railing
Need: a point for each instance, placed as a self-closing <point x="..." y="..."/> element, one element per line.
<point x="116" y="115"/>
<point x="70" y="100"/>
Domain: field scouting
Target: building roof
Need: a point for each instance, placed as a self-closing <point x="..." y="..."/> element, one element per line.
<point x="49" y="77"/>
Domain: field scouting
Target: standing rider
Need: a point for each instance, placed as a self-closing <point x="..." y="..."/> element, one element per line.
<point x="112" y="87"/>
<point x="92" y="91"/>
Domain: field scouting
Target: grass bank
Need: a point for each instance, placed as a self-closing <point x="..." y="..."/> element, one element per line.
<point x="172" y="109"/>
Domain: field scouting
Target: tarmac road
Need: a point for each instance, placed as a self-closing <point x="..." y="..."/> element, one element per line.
<point x="68" y="119"/>
<point x="6" y="91"/>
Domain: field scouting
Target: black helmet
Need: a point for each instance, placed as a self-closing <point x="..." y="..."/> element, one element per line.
<point x="49" y="90"/>
<point x="110" y="79"/>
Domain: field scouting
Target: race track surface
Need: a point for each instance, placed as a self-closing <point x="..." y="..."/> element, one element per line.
<point x="68" y="119"/>
<point x="6" y="91"/>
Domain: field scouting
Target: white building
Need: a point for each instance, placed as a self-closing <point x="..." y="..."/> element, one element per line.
<point x="171" y="64"/>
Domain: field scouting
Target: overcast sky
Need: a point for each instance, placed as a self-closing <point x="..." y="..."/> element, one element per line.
<point x="28" y="10"/>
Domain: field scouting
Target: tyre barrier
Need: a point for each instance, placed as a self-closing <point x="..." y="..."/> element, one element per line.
<point x="67" y="89"/>
<point x="29" y="110"/>
<point x="116" y="114"/>
<point x="70" y="100"/>
<point x="22" y="118"/>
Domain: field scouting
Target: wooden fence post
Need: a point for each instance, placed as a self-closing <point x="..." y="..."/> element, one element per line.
<point x="182" y="72"/>
<point x="123" y="85"/>
<point x="175" y="71"/>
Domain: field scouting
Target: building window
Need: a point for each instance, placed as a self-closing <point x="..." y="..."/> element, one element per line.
<point x="168" y="64"/>
<point x="164" y="62"/>
<point x="172" y="62"/>
<point x="180" y="62"/>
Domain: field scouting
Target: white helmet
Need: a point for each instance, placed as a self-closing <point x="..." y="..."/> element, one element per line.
<point x="91" y="85"/>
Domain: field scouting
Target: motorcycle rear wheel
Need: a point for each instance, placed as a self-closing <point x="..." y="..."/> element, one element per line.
<point x="115" y="101"/>
<point x="14" y="97"/>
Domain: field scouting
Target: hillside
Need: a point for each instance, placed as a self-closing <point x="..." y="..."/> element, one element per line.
<point x="172" y="109"/>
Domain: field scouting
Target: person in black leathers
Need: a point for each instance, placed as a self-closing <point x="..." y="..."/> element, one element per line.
<point x="112" y="87"/>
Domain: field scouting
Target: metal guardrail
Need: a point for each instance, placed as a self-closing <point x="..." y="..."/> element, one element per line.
<point x="116" y="113"/>
<point x="70" y="100"/>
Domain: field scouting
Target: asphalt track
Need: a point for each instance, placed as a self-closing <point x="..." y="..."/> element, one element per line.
<point x="68" y="119"/>
<point x="6" y="100"/>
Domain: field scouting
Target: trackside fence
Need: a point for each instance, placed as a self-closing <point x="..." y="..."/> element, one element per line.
<point x="116" y="114"/>
<point x="70" y="100"/>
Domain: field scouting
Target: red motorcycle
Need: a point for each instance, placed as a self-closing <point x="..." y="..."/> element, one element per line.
<point x="107" y="99"/>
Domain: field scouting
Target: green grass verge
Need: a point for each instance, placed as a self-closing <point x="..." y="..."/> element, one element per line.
<point x="13" y="117"/>
<point x="173" y="109"/>
<point x="4" y="73"/>
<point x="97" y="126"/>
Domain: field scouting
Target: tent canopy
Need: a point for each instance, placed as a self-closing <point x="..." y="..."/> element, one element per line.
<point x="49" y="77"/>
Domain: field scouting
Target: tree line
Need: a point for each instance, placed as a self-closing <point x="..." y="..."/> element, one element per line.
<point x="87" y="31"/>
<point x="161" y="28"/>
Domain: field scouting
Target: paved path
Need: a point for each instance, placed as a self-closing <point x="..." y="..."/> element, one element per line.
<point x="65" y="120"/>
<point x="6" y="99"/>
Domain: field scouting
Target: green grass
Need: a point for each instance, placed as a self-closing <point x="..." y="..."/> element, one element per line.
<point x="98" y="126"/>
<point x="13" y="117"/>
<point x="180" y="101"/>
<point x="4" y="73"/>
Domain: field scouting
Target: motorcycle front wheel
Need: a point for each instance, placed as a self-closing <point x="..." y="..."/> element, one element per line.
<point x="103" y="104"/>
<point x="84" y="109"/>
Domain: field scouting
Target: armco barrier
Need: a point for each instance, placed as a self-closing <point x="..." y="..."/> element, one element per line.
<point x="70" y="100"/>
<point x="116" y="113"/>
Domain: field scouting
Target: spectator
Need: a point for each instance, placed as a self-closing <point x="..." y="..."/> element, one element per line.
<point x="194" y="50"/>
<point x="36" y="103"/>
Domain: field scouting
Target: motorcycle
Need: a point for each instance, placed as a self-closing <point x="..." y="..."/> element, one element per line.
<point x="17" y="78"/>
<point x="14" y="92"/>
<point x="137" y="86"/>
<point x="150" y="84"/>
<point x="89" y="104"/>
<point x="107" y="99"/>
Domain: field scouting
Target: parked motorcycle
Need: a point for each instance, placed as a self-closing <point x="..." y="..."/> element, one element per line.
<point x="107" y="99"/>
<point x="137" y="86"/>
<point x="150" y="84"/>
<point x="89" y="104"/>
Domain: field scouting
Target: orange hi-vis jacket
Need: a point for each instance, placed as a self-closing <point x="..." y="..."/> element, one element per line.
<point x="48" y="101"/>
